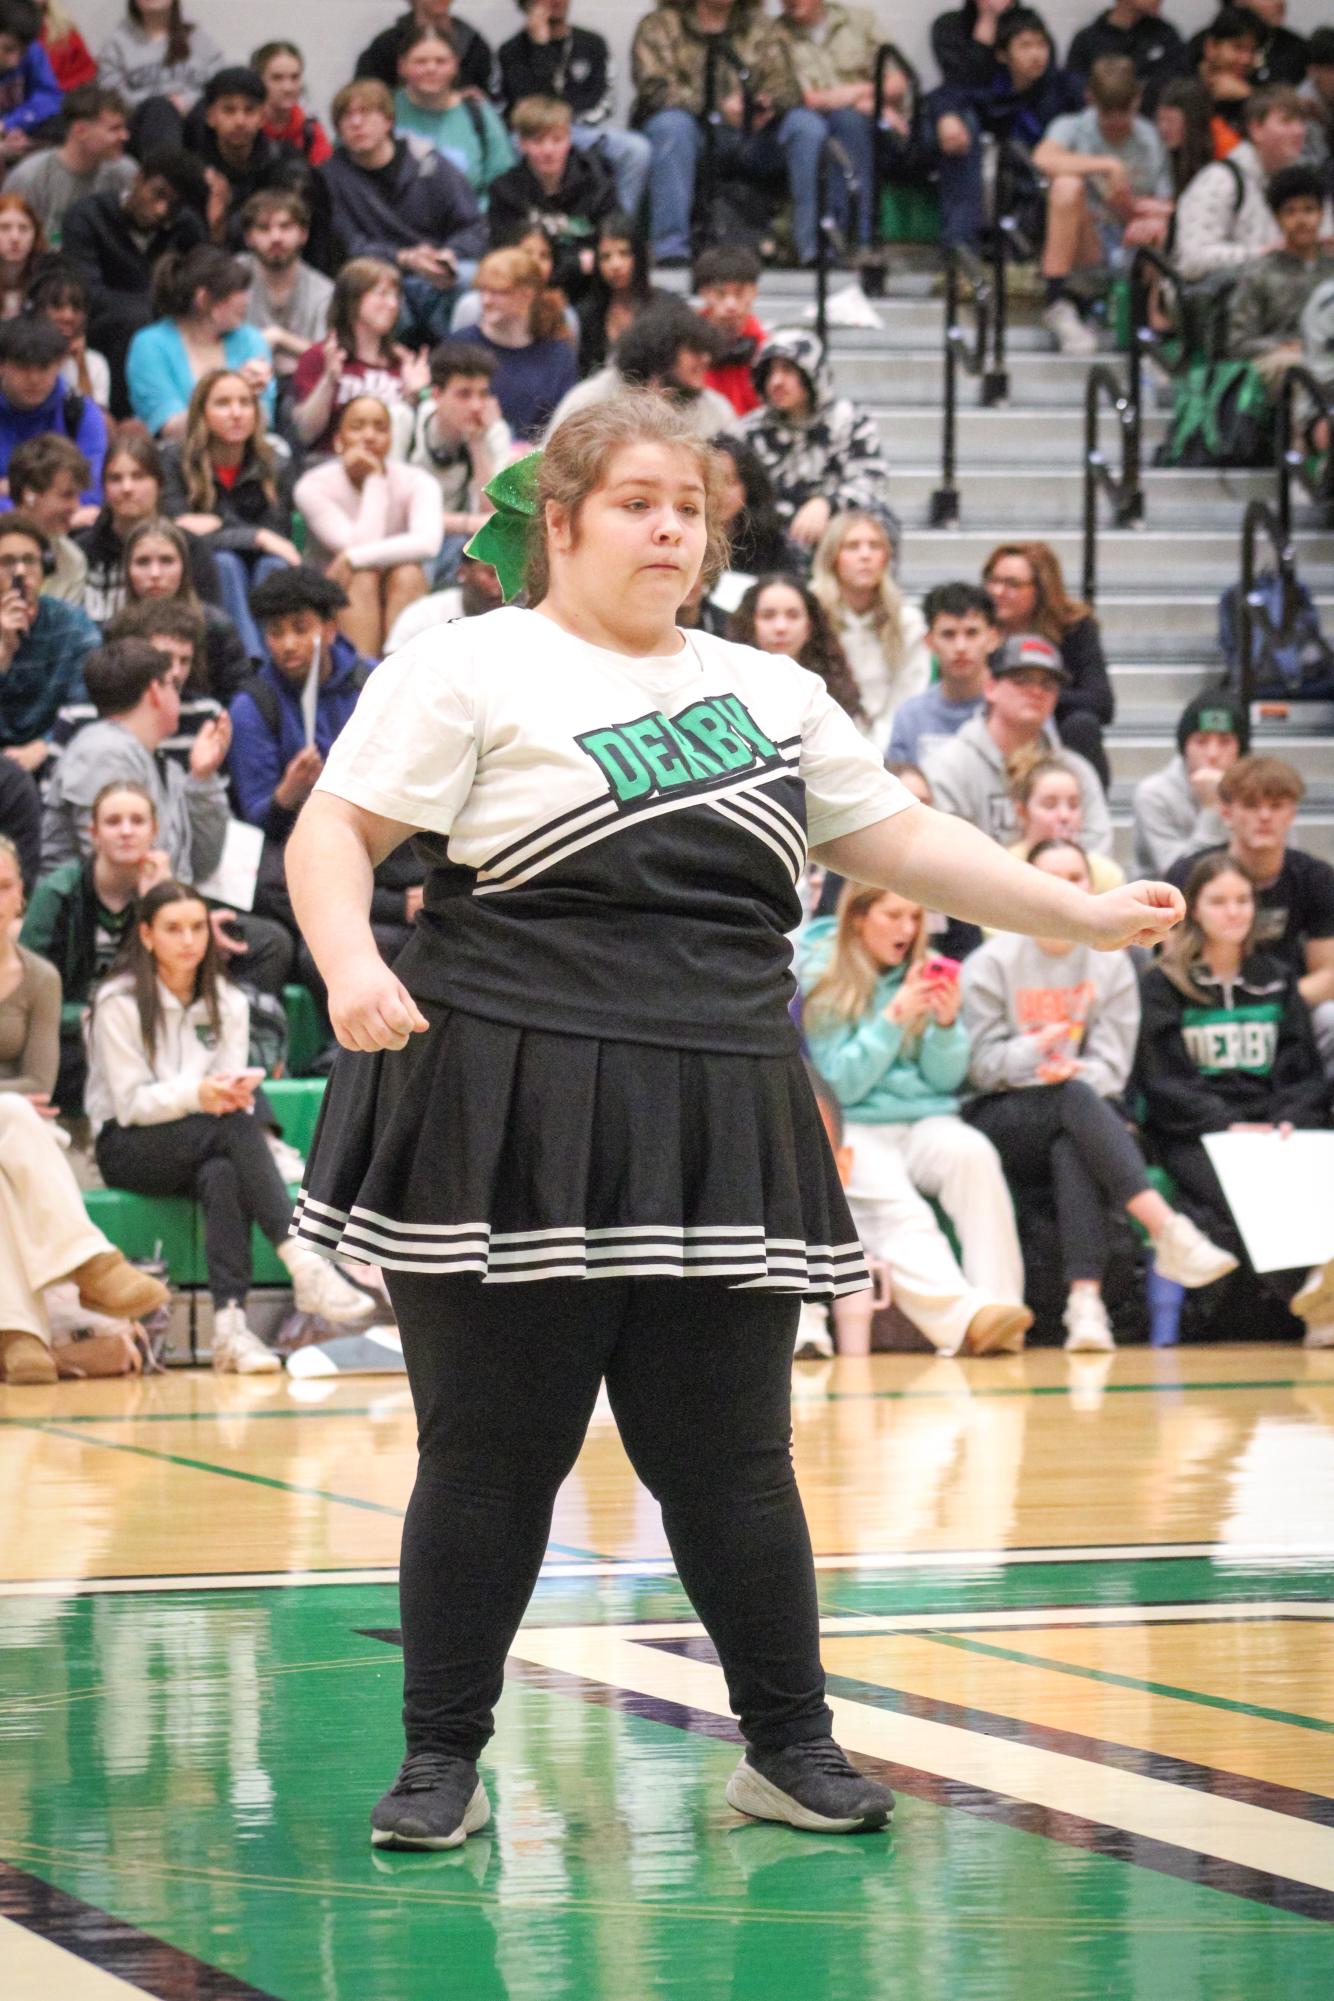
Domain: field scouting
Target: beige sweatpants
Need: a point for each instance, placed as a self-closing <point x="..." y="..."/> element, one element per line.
<point x="45" y="1232"/>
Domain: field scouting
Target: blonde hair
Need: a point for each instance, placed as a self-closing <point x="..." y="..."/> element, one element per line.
<point x="887" y="611"/>
<point x="1027" y="768"/>
<point x="575" y="463"/>
<point x="196" y="453"/>
<point x="516" y="268"/>
<point x="1182" y="951"/>
<point x="844" y="989"/>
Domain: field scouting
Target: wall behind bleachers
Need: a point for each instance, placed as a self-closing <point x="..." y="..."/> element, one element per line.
<point x="331" y="31"/>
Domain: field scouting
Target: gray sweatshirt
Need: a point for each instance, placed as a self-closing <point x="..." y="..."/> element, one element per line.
<point x="968" y="777"/>
<point x="1011" y="988"/>
<point x="135" y="63"/>
<point x="191" y="812"/>
<point x="1170" y="821"/>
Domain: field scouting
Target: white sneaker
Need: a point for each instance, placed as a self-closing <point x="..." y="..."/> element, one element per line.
<point x="237" y="1349"/>
<point x="318" y="1287"/>
<point x="1319" y="1334"/>
<point x="815" y="1343"/>
<point x="1185" y="1255"/>
<point x="1073" y="336"/>
<point x="1086" y="1324"/>
<point x="289" y="1163"/>
<point x="1314" y="1303"/>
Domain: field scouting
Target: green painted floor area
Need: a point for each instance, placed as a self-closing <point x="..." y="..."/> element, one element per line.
<point x="200" y="1766"/>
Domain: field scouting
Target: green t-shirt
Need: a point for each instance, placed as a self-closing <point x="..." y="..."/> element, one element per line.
<point x="471" y="135"/>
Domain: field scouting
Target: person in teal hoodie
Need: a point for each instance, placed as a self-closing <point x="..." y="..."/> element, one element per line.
<point x="882" y="1027"/>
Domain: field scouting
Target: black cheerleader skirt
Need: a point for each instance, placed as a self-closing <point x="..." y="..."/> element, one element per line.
<point x="514" y="1154"/>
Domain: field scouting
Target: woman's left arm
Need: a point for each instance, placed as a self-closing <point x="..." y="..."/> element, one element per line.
<point x="947" y="864"/>
<point x="40" y="1058"/>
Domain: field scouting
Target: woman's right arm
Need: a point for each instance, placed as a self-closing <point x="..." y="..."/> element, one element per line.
<point x="331" y="861"/>
<point x="310" y="417"/>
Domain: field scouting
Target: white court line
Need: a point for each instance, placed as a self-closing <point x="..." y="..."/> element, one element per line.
<point x="33" y="1966"/>
<point x="1234" y="1831"/>
<point x="1225" y="1556"/>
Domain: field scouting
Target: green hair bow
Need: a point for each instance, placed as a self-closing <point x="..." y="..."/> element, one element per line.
<point x="504" y="537"/>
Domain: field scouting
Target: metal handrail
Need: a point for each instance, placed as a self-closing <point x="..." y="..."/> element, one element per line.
<point x="1261" y="519"/>
<point x="1289" y="459"/>
<point x="1124" y="488"/>
<point x="982" y="356"/>
<point x="832" y="154"/>
<point x="717" y="53"/>
<point x="888" y="55"/>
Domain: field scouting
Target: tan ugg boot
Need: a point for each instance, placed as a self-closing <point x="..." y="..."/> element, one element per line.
<point x="110" y="1284"/>
<point x="24" y="1360"/>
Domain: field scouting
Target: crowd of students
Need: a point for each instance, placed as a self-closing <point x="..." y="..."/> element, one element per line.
<point x="255" y="376"/>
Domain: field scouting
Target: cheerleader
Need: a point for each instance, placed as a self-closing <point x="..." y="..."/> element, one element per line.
<point x="572" y="1124"/>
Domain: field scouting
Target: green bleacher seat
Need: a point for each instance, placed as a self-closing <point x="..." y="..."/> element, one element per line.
<point x="140" y="1225"/>
<point x="909" y="214"/>
<point x="305" y="1032"/>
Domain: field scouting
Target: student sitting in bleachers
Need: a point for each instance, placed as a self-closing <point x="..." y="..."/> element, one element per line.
<point x="1137" y="30"/>
<point x="1007" y="87"/>
<point x="43" y="646"/>
<point x="961" y="636"/>
<point x="199" y="328"/>
<point x="1109" y="191"/>
<point x="29" y="92"/>
<point x="158" y="562"/>
<point x="555" y="185"/>
<point x="619" y="290"/>
<point x="1052" y="1028"/>
<point x="755" y="539"/>
<point x="782" y="615"/>
<point x="171" y="1094"/>
<point x="883" y="637"/>
<point x="136" y="688"/>
<point x="1226" y="1046"/>
<point x="833" y="52"/>
<point x="1176" y="809"/>
<point x="1223" y="219"/>
<point x="430" y="104"/>
<point x="159" y="62"/>
<point x="970" y="774"/>
<point x="61" y="296"/>
<point x="359" y="357"/>
<point x="282" y="67"/>
<point x="1258" y="800"/>
<point x="225" y="483"/>
<point x="132" y="493"/>
<point x="374" y="525"/>
<point x="462" y="441"/>
<point x="89" y="155"/>
<point x="667" y="348"/>
<point x="882" y="1024"/>
<point x="551" y="58"/>
<point x="80" y="912"/>
<point x="289" y="298"/>
<point x="822" y="452"/>
<point x="47" y="476"/>
<point x="1264" y="318"/>
<point x="523" y="328"/>
<point x="1048" y="806"/>
<point x="1027" y="587"/>
<point x="726" y="281"/>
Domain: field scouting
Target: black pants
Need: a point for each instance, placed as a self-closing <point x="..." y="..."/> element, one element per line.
<point x="1081" y="732"/>
<point x="1066" y="1136"/>
<point x="266" y="963"/>
<point x="225" y="1164"/>
<point x="504" y="1379"/>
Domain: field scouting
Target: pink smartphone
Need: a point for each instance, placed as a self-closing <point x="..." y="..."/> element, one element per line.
<point x="939" y="968"/>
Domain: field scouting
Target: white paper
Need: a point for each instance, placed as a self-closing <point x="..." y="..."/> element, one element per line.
<point x="233" y="880"/>
<point x="310" y="694"/>
<point x="1281" y="1194"/>
<point x="729" y="590"/>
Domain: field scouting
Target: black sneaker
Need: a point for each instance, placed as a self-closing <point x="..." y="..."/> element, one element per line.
<point x="811" y="1786"/>
<point x="435" y="1802"/>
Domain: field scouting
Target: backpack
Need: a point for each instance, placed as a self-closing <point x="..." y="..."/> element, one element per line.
<point x="268" y="1030"/>
<point x="1300" y="665"/>
<point x="1221" y="416"/>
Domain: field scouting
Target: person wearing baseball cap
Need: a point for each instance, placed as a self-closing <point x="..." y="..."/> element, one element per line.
<point x="1175" y="809"/>
<point x="971" y="775"/>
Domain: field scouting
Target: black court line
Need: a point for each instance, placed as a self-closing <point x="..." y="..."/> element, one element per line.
<point x="95" y="1936"/>
<point x="1071" y="1830"/>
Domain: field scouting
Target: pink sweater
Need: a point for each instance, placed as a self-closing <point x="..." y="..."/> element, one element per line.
<point x="396" y="517"/>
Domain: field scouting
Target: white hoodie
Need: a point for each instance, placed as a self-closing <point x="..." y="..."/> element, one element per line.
<point x="134" y="1089"/>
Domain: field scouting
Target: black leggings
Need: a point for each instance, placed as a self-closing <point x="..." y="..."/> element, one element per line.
<point x="1066" y="1136"/>
<point x="504" y="1379"/>
<point x="225" y="1164"/>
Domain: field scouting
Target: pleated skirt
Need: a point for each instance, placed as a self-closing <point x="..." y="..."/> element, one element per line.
<point x="516" y="1155"/>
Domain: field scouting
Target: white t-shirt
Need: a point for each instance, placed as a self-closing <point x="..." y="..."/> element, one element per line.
<point x="627" y="834"/>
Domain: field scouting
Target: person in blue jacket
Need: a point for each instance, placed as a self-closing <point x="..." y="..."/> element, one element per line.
<point x="35" y="403"/>
<point x="882" y="1027"/>
<point x="274" y="763"/>
<point x="29" y="93"/>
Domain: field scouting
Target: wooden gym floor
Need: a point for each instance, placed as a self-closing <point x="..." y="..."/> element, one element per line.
<point x="1078" y="1609"/>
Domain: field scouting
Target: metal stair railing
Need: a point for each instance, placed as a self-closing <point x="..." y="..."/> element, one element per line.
<point x="719" y="53"/>
<point x="833" y="164"/>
